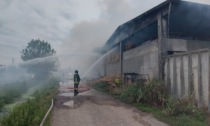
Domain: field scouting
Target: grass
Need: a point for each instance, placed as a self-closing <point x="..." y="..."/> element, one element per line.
<point x="31" y="112"/>
<point x="48" y="120"/>
<point x="179" y="120"/>
<point x="102" y="87"/>
<point x="12" y="105"/>
<point x="23" y="98"/>
<point x="12" y="92"/>
<point x="30" y="92"/>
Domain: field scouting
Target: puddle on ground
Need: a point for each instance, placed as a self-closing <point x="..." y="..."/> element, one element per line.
<point x="80" y="99"/>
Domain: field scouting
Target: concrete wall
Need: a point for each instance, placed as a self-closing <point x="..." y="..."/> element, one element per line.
<point x="112" y="62"/>
<point x="174" y="44"/>
<point x="189" y="73"/>
<point x="142" y="59"/>
<point x="196" y="44"/>
<point x="184" y="45"/>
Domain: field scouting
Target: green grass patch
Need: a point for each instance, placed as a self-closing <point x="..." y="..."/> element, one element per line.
<point x="48" y="120"/>
<point x="27" y="95"/>
<point x="31" y="112"/>
<point x="9" y="93"/>
<point x="102" y="87"/>
<point x="178" y="120"/>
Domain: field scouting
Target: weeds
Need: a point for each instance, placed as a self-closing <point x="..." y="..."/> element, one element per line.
<point x="10" y="92"/>
<point x="129" y="93"/>
<point x="103" y="87"/>
<point x="31" y="112"/>
<point x="154" y="95"/>
<point x="152" y="92"/>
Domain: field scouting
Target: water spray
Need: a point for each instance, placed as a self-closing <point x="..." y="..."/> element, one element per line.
<point x="101" y="58"/>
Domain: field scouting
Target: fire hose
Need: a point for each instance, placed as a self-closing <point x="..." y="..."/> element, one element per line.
<point x="52" y="104"/>
<point x="45" y="117"/>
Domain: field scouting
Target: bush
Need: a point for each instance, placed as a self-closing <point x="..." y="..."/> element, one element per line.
<point x="180" y="106"/>
<point x="129" y="93"/>
<point x="102" y="86"/>
<point x="153" y="93"/>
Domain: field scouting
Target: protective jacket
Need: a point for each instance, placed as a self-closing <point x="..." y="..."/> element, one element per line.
<point x="76" y="78"/>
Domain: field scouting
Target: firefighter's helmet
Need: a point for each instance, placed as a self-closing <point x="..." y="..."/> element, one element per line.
<point x="76" y="71"/>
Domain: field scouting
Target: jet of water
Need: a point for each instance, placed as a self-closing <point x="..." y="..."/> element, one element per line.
<point x="98" y="61"/>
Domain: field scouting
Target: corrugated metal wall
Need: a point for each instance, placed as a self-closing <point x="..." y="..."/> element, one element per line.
<point x="189" y="73"/>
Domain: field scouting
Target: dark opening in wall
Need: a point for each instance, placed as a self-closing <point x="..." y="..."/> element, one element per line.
<point x="148" y="33"/>
<point x="169" y="52"/>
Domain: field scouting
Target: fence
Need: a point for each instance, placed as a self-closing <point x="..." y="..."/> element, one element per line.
<point x="189" y="73"/>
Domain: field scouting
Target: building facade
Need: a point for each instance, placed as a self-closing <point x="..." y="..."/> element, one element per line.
<point x="169" y="42"/>
<point x="140" y="45"/>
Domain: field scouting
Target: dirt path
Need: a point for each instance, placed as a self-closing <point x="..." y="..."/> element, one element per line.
<point x="92" y="108"/>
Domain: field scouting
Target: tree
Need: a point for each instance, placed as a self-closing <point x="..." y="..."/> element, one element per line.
<point x="39" y="59"/>
<point x="37" y="49"/>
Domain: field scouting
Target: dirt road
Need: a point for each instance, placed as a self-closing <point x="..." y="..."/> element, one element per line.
<point x="92" y="108"/>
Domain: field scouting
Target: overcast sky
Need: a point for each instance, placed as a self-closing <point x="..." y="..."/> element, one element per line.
<point x="73" y="27"/>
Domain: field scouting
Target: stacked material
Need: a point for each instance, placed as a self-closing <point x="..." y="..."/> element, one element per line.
<point x="113" y="81"/>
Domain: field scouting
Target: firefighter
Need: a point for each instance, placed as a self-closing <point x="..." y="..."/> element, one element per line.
<point x="76" y="82"/>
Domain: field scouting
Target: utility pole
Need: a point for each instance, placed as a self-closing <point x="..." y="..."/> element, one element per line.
<point x="162" y="35"/>
<point x="121" y="60"/>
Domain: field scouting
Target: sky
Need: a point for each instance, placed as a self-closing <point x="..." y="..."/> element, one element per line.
<point x="74" y="28"/>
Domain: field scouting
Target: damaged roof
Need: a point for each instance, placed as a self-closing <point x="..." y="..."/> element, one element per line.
<point x="180" y="11"/>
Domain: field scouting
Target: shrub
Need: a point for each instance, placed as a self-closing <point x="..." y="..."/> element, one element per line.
<point x="102" y="86"/>
<point x="129" y="93"/>
<point x="153" y="93"/>
<point x="180" y="106"/>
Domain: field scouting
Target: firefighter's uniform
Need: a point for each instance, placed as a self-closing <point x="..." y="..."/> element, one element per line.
<point x="76" y="83"/>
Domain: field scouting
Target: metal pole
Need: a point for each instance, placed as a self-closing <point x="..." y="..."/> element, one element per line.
<point x="169" y="16"/>
<point x="160" y="31"/>
<point x="121" y="60"/>
<point x="209" y="84"/>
